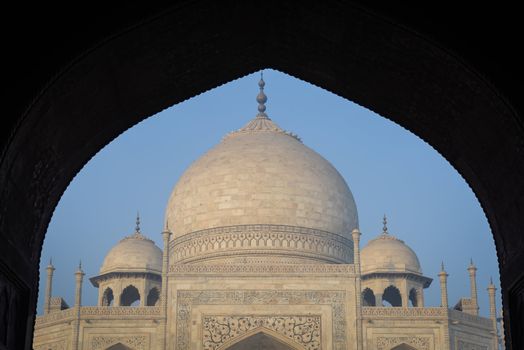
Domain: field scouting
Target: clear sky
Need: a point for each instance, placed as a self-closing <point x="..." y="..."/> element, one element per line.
<point x="388" y="169"/>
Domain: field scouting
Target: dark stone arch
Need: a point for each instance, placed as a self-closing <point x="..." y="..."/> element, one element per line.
<point x="413" y="300"/>
<point x="130" y="296"/>
<point x="378" y="64"/>
<point x="153" y="297"/>
<point x="107" y="297"/>
<point x="368" y="298"/>
<point x="392" y="296"/>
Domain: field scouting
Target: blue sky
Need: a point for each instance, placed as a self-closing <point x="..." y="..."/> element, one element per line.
<point x="388" y="169"/>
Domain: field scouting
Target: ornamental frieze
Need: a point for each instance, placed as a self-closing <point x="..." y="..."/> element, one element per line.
<point x="288" y="240"/>
<point x="258" y="269"/>
<point x="304" y="330"/>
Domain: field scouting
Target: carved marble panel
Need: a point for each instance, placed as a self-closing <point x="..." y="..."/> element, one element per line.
<point x="188" y="298"/>
<point x="137" y="342"/>
<point x="387" y="343"/>
<point x="304" y="330"/>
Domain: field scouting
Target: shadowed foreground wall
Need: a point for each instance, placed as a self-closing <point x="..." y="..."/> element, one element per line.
<point x="78" y="81"/>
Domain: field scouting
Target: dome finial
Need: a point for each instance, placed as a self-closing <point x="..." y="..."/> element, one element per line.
<point x="385" y="223"/>
<point x="137" y="228"/>
<point x="262" y="98"/>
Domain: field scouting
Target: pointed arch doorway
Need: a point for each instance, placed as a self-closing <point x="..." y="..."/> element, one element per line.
<point x="403" y="346"/>
<point x="262" y="340"/>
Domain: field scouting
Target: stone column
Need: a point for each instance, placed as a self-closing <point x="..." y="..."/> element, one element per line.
<point x="473" y="283"/>
<point x="358" y="287"/>
<point x="49" y="286"/>
<point x="378" y="299"/>
<point x="420" y="297"/>
<point x="143" y="293"/>
<point x="166" y="234"/>
<point x="443" y="276"/>
<point x="493" y="312"/>
<point x="79" y="276"/>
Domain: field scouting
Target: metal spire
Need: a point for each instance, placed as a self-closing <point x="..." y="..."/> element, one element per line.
<point x="262" y="98"/>
<point x="385" y="223"/>
<point x="137" y="228"/>
<point x="442" y="266"/>
<point x="80" y="265"/>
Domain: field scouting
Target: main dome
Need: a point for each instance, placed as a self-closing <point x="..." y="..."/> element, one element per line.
<point x="261" y="180"/>
<point x="261" y="175"/>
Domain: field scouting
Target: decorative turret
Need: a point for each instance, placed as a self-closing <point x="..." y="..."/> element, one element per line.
<point x="131" y="273"/>
<point x="391" y="272"/>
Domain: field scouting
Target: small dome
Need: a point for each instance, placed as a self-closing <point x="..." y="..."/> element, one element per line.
<point x="386" y="253"/>
<point x="134" y="253"/>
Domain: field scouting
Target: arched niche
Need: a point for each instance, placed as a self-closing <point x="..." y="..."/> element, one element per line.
<point x="392" y="296"/>
<point x="413" y="298"/>
<point x="153" y="297"/>
<point x="368" y="298"/>
<point x="107" y="297"/>
<point x="130" y="296"/>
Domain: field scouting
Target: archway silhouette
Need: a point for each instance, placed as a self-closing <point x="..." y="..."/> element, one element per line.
<point x="378" y="65"/>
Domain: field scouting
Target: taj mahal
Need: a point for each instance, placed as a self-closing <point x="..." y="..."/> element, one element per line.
<point x="261" y="250"/>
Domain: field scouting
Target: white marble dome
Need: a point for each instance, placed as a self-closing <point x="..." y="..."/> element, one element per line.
<point x="134" y="253"/>
<point x="386" y="253"/>
<point x="261" y="174"/>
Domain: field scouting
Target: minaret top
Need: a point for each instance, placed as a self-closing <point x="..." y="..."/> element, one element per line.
<point x="471" y="266"/>
<point x="262" y="98"/>
<point x="79" y="270"/>
<point x="50" y="265"/>
<point x="442" y="270"/>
